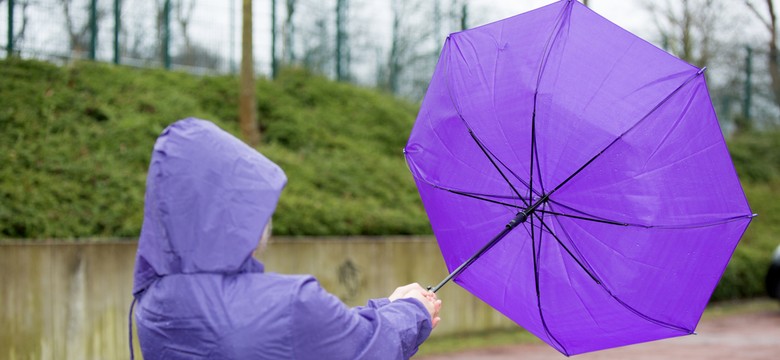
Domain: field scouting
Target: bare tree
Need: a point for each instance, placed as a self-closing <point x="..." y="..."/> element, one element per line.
<point x="317" y="46"/>
<point x="288" y="32"/>
<point x="688" y="28"/>
<point x="316" y="37"/>
<point x="183" y="10"/>
<point x="192" y="53"/>
<point x="408" y="61"/>
<point x="459" y="13"/>
<point x="399" y="46"/>
<point x="78" y="34"/>
<point x="768" y="19"/>
<point x="134" y="39"/>
<point x="162" y="7"/>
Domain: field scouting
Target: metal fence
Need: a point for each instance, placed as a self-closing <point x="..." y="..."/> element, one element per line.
<point x="200" y="36"/>
<point x="204" y="36"/>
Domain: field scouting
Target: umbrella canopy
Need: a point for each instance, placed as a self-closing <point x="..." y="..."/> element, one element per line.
<point x="577" y="177"/>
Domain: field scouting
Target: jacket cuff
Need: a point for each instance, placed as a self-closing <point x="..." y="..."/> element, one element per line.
<point x="377" y="303"/>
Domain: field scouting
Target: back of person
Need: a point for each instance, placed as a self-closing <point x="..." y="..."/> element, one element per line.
<point x="202" y="295"/>
<point x="213" y="316"/>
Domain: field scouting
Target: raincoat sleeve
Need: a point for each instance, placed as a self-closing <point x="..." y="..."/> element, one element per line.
<point x="324" y="328"/>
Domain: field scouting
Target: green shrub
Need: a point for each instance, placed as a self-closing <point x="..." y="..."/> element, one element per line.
<point x="75" y="143"/>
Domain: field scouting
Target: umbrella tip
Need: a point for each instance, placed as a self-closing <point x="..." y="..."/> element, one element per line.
<point x="701" y="71"/>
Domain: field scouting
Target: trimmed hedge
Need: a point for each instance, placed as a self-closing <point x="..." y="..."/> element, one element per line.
<point x="75" y="143"/>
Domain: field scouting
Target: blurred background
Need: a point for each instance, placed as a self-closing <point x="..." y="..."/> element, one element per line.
<point x="87" y="85"/>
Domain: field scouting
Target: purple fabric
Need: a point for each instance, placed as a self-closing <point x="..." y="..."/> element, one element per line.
<point x="201" y="294"/>
<point x="643" y="207"/>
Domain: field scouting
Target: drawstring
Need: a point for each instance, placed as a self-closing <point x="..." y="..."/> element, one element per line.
<point x="130" y="324"/>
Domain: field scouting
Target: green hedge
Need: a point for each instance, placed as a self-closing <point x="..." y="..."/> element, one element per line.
<point x="757" y="160"/>
<point x="75" y="143"/>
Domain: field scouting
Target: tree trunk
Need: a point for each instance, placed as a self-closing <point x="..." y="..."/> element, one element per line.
<point x="774" y="65"/>
<point x="247" y="112"/>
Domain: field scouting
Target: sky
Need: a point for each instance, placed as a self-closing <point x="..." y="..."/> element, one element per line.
<point x="628" y="14"/>
<point x="216" y="23"/>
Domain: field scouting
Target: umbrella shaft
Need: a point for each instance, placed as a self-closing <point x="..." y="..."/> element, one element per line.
<point x="519" y="219"/>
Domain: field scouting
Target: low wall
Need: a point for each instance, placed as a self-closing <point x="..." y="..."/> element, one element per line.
<point x="64" y="300"/>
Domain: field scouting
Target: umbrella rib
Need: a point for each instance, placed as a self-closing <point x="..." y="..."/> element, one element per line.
<point x="538" y="167"/>
<point x="536" y="284"/>
<point x="603" y="220"/>
<point x="513" y="173"/>
<point x="646" y="317"/>
<point x="472" y="195"/>
<point x="490" y="158"/>
<point x="584" y="218"/>
<point x="542" y="66"/>
<point x="613" y="142"/>
<point x="482" y="198"/>
<point x="592" y="276"/>
<point x="533" y="147"/>
<point x="479" y="143"/>
<point x="696" y="225"/>
<point x="629" y="307"/>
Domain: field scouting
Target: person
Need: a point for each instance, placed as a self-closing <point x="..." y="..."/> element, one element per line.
<point x="200" y="294"/>
<point x="772" y="279"/>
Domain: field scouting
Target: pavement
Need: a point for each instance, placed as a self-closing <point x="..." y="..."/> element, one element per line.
<point x="748" y="336"/>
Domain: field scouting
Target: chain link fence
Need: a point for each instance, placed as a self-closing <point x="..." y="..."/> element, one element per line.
<point x="202" y="36"/>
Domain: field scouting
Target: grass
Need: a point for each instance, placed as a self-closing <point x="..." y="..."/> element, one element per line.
<point x="471" y="341"/>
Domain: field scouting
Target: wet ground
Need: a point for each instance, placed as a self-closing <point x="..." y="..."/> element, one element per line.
<point x="754" y="335"/>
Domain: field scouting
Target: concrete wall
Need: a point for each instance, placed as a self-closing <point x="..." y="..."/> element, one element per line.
<point x="70" y="300"/>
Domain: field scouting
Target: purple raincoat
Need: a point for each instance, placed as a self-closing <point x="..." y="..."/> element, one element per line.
<point x="201" y="294"/>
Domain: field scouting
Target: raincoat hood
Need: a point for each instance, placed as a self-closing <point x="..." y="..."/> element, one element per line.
<point x="208" y="198"/>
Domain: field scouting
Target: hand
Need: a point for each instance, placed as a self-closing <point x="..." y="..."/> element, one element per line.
<point x="401" y="292"/>
<point x="427" y="298"/>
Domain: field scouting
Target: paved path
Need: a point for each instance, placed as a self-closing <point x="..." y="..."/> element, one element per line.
<point x="750" y="336"/>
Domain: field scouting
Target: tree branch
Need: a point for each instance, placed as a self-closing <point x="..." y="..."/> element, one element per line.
<point x="755" y="12"/>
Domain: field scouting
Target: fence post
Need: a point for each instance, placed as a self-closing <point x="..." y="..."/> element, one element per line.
<point x="92" y="29"/>
<point x="117" y="28"/>
<point x="9" y="47"/>
<point x="274" y="64"/>
<point x="167" y="34"/>
<point x="748" y="84"/>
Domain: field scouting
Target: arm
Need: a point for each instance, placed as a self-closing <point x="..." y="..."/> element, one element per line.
<point x="324" y="328"/>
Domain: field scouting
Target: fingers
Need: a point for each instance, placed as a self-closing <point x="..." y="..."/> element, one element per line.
<point x="427" y="298"/>
<point x="435" y="315"/>
<point x="403" y="291"/>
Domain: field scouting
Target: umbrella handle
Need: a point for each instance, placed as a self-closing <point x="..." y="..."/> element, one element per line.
<point x="520" y="218"/>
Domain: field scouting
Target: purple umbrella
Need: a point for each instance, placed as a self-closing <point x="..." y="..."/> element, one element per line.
<point x="576" y="178"/>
